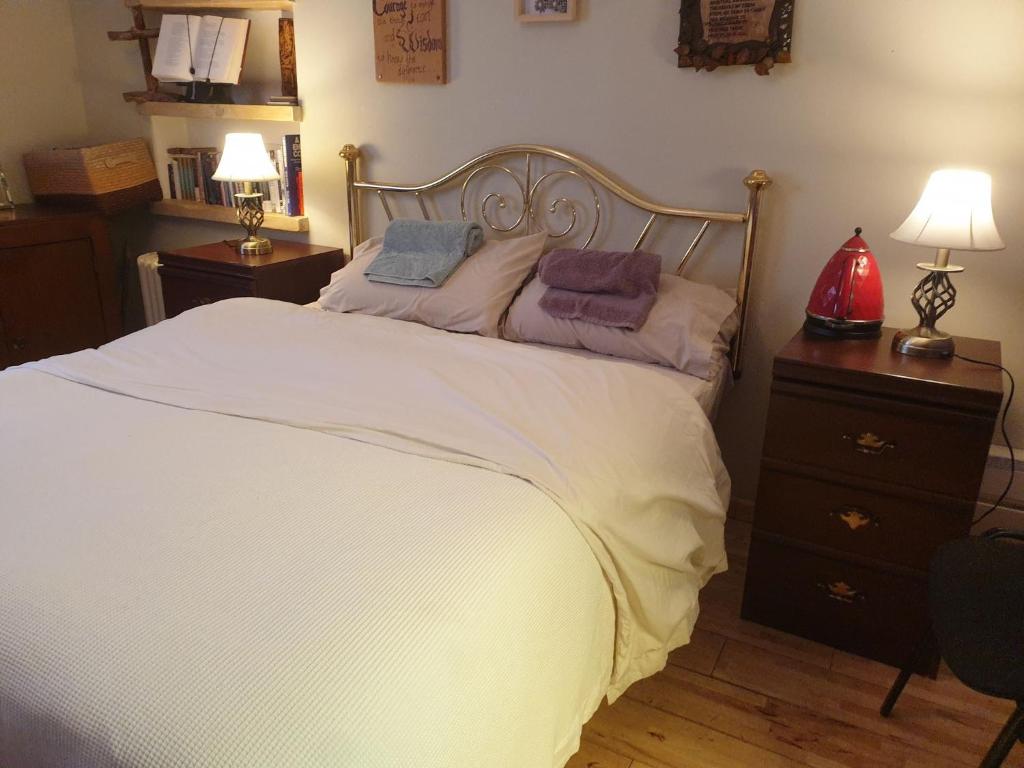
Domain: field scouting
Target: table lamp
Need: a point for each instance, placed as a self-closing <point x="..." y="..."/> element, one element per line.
<point x="245" y="159"/>
<point x="954" y="213"/>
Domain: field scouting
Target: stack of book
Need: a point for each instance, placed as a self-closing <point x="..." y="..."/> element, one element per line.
<point x="190" y="177"/>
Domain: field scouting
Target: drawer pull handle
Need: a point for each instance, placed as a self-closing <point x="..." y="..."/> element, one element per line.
<point x="869" y="443"/>
<point x="841" y="592"/>
<point x="855" y="517"/>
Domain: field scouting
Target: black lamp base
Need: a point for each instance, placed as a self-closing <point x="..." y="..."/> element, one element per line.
<point x="827" y="328"/>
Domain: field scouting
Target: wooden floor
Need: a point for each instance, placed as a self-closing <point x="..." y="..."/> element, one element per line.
<point x="744" y="695"/>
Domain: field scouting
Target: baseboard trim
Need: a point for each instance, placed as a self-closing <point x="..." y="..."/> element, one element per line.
<point x="1001" y="517"/>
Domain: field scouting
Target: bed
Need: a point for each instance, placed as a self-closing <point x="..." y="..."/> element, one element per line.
<point x="261" y="534"/>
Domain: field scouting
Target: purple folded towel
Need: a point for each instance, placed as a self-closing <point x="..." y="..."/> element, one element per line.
<point x="623" y="273"/>
<point x="628" y="312"/>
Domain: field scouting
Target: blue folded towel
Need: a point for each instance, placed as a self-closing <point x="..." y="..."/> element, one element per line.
<point x="423" y="253"/>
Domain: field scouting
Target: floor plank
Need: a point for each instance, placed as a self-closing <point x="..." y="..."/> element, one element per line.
<point x="945" y="691"/>
<point x="917" y="723"/>
<point x="700" y="654"/>
<point x="802" y="735"/>
<point x="744" y="695"/>
<point x="595" y="756"/>
<point x="664" y="740"/>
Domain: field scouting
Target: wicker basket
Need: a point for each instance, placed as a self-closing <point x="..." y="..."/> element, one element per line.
<point x="109" y="178"/>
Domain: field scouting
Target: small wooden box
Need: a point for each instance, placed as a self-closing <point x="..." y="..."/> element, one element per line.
<point x="109" y="178"/>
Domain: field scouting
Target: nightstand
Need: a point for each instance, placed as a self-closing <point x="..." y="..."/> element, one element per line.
<point x="871" y="460"/>
<point x="207" y="273"/>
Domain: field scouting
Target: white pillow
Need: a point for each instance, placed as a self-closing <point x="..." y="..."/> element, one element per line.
<point x="472" y="299"/>
<point x="684" y="330"/>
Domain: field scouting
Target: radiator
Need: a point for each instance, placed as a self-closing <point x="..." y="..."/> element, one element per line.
<point x="152" y="292"/>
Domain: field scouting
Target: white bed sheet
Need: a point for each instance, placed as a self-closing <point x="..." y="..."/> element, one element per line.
<point x="707" y="392"/>
<point x="270" y="596"/>
<point x="309" y="584"/>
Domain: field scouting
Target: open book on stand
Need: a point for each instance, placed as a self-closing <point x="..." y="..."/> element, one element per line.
<point x="207" y="49"/>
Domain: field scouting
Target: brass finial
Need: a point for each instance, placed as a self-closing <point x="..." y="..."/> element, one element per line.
<point x="757" y="178"/>
<point x="349" y="152"/>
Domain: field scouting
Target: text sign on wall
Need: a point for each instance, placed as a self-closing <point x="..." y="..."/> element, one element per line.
<point x="410" y="41"/>
<point x="715" y="33"/>
<point x="735" y="21"/>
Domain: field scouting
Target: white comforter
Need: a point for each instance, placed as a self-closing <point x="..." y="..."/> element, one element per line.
<point x="310" y="585"/>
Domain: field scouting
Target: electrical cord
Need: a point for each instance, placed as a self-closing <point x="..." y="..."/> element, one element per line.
<point x="1006" y="437"/>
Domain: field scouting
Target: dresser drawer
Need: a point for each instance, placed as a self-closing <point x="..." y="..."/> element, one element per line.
<point x="184" y="289"/>
<point x="832" y="511"/>
<point x="922" y="447"/>
<point x="873" y="613"/>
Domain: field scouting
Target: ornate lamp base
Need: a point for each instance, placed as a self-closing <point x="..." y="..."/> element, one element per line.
<point x="255" y="246"/>
<point x="250" y="216"/>
<point x="933" y="297"/>
<point x="924" y="342"/>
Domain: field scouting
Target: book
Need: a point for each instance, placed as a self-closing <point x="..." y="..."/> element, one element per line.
<point x="273" y="202"/>
<point x="196" y="171"/>
<point x="208" y="49"/>
<point x="190" y="177"/>
<point x="292" y="176"/>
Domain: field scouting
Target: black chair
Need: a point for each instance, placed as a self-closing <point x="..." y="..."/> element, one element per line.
<point x="976" y="599"/>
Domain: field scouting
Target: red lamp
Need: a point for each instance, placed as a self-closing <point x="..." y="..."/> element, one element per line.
<point x="847" y="301"/>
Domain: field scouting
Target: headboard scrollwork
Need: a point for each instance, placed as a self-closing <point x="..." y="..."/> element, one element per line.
<point x="539" y="203"/>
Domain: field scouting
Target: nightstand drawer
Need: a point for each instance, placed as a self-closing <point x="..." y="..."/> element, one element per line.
<point x="851" y="607"/>
<point x="936" y="450"/>
<point x="185" y="289"/>
<point x="843" y="516"/>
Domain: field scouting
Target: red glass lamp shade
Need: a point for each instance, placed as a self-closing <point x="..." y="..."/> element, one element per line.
<point x="847" y="301"/>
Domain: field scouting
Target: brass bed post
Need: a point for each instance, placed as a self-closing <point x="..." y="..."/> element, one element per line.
<point x="350" y="153"/>
<point x="756" y="182"/>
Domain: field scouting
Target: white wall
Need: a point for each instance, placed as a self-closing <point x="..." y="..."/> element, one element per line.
<point x="40" y="91"/>
<point x="880" y="93"/>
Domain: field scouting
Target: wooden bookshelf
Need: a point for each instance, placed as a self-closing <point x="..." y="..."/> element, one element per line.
<point x="189" y="209"/>
<point x="282" y="114"/>
<point x="214" y="5"/>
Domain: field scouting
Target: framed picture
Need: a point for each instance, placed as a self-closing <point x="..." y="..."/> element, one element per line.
<point x="545" y="10"/>
<point x="715" y="33"/>
<point x="410" y="41"/>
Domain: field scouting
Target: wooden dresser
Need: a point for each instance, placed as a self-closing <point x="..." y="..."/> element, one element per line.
<point x="871" y="460"/>
<point x="207" y="273"/>
<point x="58" y="290"/>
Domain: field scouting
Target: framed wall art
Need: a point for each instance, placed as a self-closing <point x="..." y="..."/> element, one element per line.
<point x="410" y="41"/>
<point x="714" y="33"/>
<point x="545" y="10"/>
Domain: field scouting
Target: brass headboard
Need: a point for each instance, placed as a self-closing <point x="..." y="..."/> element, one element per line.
<point x="497" y="160"/>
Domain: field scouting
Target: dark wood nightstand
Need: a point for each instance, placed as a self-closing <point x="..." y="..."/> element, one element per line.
<point x="58" y="283"/>
<point x="871" y="460"/>
<point x="207" y="273"/>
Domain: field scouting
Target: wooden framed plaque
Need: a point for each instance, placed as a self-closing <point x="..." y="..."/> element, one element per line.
<point x="713" y="33"/>
<point x="410" y="41"/>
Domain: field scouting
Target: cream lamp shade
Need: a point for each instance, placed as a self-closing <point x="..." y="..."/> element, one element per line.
<point x="954" y="212"/>
<point x="245" y="158"/>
